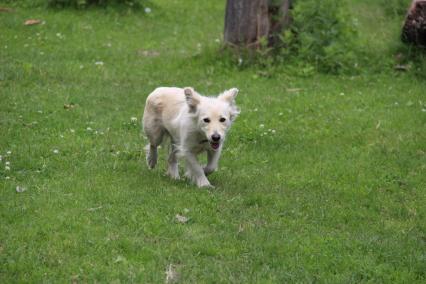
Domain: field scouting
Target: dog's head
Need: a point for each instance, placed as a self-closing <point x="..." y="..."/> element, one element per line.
<point x="214" y="116"/>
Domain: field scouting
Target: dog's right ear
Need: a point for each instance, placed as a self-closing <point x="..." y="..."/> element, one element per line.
<point x="192" y="99"/>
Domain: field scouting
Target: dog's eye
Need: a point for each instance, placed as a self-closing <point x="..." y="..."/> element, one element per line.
<point x="222" y="119"/>
<point x="206" y="120"/>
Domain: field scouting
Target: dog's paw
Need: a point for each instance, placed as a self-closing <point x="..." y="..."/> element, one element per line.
<point x="173" y="173"/>
<point x="200" y="181"/>
<point x="203" y="182"/>
<point x="151" y="162"/>
<point x="208" y="170"/>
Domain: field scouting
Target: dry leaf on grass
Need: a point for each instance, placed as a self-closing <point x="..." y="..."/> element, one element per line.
<point x="94" y="209"/>
<point x="181" y="219"/>
<point x="69" y="106"/>
<point x="148" y="53"/>
<point x="402" y="67"/>
<point x="31" y="22"/>
<point x="5" y="10"/>
<point x="172" y="276"/>
<point x="293" y="90"/>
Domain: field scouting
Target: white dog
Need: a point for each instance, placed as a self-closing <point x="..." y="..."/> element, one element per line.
<point x="194" y="124"/>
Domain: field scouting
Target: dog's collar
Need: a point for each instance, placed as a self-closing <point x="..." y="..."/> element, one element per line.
<point x="204" y="141"/>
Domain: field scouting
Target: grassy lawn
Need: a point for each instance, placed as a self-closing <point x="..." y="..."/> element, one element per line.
<point x="322" y="179"/>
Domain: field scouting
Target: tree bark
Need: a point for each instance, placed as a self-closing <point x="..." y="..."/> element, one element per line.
<point x="414" y="29"/>
<point x="250" y="23"/>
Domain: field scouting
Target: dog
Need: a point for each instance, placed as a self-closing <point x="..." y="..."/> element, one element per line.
<point x="194" y="123"/>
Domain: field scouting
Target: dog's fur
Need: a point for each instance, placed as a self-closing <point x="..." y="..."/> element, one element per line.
<point x="194" y="123"/>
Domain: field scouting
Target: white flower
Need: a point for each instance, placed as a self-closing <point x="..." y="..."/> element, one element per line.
<point x="81" y="66"/>
<point x="342" y="94"/>
<point x="108" y="44"/>
<point x="9" y="152"/>
<point x="7" y="177"/>
<point x="240" y="61"/>
<point x="20" y="189"/>
<point x="280" y="114"/>
<point x="100" y="63"/>
<point x="7" y="163"/>
<point x="55" y="151"/>
<point x="62" y="136"/>
<point x="255" y="109"/>
<point x="40" y="111"/>
<point x="133" y="119"/>
<point x="1" y="157"/>
<point x="262" y="125"/>
<point x="273" y="131"/>
<point x="148" y="10"/>
<point x="217" y="40"/>
<point x="423" y="109"/>
<point x="89" y="129"/>
<point x="72" y="130"/>
<point x="7" y="168"/>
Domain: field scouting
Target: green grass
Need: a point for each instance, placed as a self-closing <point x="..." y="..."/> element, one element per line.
<point x="336" y="194"/>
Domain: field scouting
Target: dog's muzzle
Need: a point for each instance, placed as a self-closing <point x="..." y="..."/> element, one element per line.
<point x="213" y="144"/>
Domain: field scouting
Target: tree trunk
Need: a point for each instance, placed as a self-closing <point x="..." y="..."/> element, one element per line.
<point x="414" y="29"/>
<point x="250" y="23"/>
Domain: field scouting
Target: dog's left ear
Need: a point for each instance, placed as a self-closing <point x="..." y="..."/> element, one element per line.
<point x="229" y="96"/>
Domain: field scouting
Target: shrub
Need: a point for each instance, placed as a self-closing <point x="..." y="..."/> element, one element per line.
<point x="322" y="35"/>
<point x="103" y="3"/>
<point x="395" y="7"/>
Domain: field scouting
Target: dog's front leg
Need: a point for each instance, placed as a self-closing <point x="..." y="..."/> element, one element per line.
<point x="212" y="161"/>
<point x="195" y="172"/>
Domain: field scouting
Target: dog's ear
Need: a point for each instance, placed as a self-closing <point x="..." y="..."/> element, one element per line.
<point x="192" y="99"/>
<point x="229" y="96"/>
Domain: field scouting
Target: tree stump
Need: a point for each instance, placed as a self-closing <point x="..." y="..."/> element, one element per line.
<point x="251" y="23"/>
<point x="414" y="29"/>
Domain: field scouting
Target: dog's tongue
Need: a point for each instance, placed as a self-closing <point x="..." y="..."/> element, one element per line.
<point x="215" y="145"/>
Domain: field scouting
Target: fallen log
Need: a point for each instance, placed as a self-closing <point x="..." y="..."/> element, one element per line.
<point x="414" y="29"/>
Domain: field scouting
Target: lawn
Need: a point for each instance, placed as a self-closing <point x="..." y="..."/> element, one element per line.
<point x="322" y="179"/>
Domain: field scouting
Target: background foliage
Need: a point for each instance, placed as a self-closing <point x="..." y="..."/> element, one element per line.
<point x="79" y="4"/>
<point x="323" y="34"/>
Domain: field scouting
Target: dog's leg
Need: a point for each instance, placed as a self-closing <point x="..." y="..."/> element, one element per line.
<point x="155" y="139"/>
<point x="195" y="172"/>
<point x="151" y="156"/>
<point x="173" y="168"/>
<point x="212" y="161"/>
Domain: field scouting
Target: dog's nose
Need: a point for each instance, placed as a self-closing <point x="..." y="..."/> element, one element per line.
<point x="215" y="137"/>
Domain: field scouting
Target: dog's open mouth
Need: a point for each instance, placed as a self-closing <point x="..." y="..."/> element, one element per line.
<point x="215" y="145"/>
